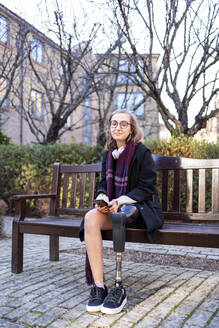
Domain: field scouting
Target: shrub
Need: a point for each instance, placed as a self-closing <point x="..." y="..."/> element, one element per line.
<point x="28" y="169"/>
<point x="184" y="146"/>
<point x="4" y="140"/>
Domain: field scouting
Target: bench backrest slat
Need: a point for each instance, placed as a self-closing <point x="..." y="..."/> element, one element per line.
<point x="215" y="190"/>
<point x="65" y="190"/>
<point x="165" y="178"/>
<point x="189" y="193"/>
<point x="73" y="190"/>
<point x="54" y="203"/>
<point x="80" y="168"/>
<point x="201" y="191"/>
<point x="176" y="191"/>
<point x="82" y="189"/>
<point x="188" y="188"/>
<point x="92" y="188"/>
<point x="177" y="163"/>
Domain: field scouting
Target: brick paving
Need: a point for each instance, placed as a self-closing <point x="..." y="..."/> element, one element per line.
<point x="54" y="294"/>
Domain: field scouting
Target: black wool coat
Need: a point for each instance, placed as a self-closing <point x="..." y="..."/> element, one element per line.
<point x="141" y="187"/>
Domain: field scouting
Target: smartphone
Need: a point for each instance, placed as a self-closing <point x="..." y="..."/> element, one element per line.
<point x="101" y="202"/>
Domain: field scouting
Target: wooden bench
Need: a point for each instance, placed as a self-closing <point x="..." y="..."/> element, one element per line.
<point x="188" y="188"/>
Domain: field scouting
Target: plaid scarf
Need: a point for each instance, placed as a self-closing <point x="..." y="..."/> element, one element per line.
<point x="117" y="171"/>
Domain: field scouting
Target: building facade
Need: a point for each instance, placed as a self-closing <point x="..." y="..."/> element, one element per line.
<point x="34" y="56"/>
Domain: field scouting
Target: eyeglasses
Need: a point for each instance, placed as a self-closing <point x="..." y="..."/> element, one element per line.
<point x="123" y="124"/>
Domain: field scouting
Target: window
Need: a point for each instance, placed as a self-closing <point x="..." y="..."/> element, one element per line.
<point x="129" y="101"/>
<point x="37" y="103"/>
<point x="3" y="29"/>
<point x="87" y="119"/>
<point x="64" y="67"/>
<point x="69" y="120"/>
<point x="3" y="90"/>
<point x="125" y="66"/>
<point x="37" y="50"/>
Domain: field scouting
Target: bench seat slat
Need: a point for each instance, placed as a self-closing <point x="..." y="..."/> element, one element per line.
<point x="168" y="226"/>
<point x="188" y="234"/>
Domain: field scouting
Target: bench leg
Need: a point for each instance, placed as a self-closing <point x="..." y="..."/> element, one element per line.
<point x="54" y="248"/>
<point x="17" y="249"/>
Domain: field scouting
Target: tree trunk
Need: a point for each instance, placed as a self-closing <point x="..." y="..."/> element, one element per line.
<point x="101" y="140"/>
<point x="53" y="133"/>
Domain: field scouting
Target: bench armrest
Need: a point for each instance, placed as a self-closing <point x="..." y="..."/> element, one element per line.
<point x="20" y="202"/>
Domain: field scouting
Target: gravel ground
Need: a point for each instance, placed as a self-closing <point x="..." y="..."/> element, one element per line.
<point x="160" y="259"/>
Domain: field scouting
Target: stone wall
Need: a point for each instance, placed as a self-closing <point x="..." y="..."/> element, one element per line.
<point x="6" y="226"/>
<point x="3" y="210"/>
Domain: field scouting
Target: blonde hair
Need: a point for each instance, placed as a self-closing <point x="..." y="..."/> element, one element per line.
<point x="136" y="134"/>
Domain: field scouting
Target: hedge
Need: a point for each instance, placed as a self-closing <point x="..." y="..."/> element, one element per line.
<point x="183" y="146"/>
<point x="28" y="169"/>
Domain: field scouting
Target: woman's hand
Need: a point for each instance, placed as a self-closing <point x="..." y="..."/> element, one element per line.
<point x="102" y="209"/>
<point x="113" y="206"/>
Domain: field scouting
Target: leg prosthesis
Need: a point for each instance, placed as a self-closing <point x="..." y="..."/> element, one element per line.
<point x="119" y="220"/>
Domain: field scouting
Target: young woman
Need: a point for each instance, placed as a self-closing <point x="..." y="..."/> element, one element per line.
<point x="128" y="177"/>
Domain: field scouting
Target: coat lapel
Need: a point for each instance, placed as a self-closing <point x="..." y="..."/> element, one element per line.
<point x="134" y="158"/>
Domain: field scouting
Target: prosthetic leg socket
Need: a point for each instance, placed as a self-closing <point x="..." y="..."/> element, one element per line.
<point x="119" y="221"/>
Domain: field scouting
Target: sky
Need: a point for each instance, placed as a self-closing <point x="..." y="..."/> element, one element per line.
<point x="27" y="9"/>
<point x="34" y="12"/>
<point x="40" y="13"/>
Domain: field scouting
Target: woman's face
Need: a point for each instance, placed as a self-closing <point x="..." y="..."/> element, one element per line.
<point x="120" y="128"/>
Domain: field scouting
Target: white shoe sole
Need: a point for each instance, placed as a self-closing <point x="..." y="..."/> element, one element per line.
<point x="93" y="308"/>
<point x="114" y="311"/>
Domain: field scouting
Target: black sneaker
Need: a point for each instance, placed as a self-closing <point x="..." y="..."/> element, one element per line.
<point x="97" y="296"/>
<point x="115" y="301"/>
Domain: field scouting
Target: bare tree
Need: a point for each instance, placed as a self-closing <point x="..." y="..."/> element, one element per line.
<point x="11" y="61"/>
<point x="65" y="82"/>
<point x="185" y="35"/>
<point x="105" y="88"/>
<point x="110" y="82"/>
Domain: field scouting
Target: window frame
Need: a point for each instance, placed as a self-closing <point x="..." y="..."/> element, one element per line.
<point x="5" y="104"/>
<point x="124" y="79"/>
<point x="3" y="18"/>
<point x="35" y="110"/>
<point x="69" y="120"/>
<point x="64" y="63"/>
<point x="86" y="118"/>
<point x="37" y="44"/>
<point x="125" y="103"/>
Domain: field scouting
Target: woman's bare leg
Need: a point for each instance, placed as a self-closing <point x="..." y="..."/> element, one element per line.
<point x="95" y="221"/>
